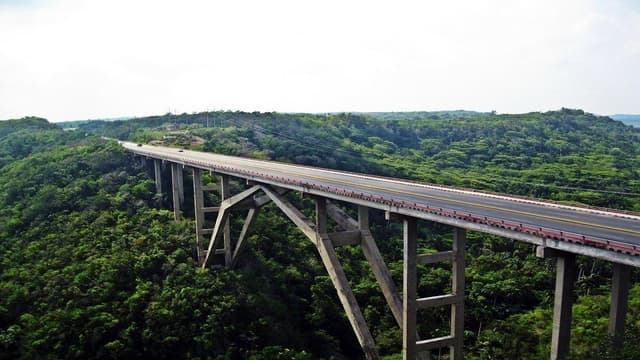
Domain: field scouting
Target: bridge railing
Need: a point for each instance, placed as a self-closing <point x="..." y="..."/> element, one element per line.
<point x="469" y="217"/>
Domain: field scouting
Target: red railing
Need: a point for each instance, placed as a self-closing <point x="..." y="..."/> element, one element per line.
<point x="535" y="231"/>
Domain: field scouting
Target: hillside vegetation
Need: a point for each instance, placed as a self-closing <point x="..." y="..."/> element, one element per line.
<point x="92" y="267"/>
<point x="565" y="155"/>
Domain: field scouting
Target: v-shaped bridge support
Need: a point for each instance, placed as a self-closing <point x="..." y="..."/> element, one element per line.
<point x="320" y="238"/>
<point x="354" y="232"/>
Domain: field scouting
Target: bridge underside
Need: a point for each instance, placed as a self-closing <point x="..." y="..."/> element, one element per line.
<point x="215" y="247"/>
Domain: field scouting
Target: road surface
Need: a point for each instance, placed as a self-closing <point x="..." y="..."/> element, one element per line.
<point x="597" y="227"/>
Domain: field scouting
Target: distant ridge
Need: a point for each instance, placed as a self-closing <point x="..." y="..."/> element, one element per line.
<point x="416" y="115"/>
<point x="76" y="123"/>
<point x="629" y="119"/>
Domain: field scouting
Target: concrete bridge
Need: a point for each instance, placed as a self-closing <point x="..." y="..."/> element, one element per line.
<point x="559" y="231"/>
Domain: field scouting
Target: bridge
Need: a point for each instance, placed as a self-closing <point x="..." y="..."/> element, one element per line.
<point x="558" y="231"/>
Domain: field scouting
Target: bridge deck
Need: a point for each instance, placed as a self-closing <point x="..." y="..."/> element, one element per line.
<point x="544" y="223"/>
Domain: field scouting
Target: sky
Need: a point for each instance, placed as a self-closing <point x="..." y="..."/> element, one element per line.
<point x="80" y="59"/>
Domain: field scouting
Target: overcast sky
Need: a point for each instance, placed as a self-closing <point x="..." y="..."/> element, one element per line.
<point x="75" y="59"/>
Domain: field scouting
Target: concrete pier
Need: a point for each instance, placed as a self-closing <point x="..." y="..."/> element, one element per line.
<point x="409" y="290"/>
<point x="565" y="280"/>
<point x="158" y="175"/>
<point x="619" y="295"/>
<point x="177" y="187"/>
<point x="198" y="204"/>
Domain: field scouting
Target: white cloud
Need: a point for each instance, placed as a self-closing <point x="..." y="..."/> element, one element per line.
<point x="69" y="59"/>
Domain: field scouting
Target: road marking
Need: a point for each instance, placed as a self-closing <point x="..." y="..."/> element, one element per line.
<point x="433" y="197"/>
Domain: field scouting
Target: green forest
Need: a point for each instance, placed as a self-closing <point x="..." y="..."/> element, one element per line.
<point x="93" y="266"/>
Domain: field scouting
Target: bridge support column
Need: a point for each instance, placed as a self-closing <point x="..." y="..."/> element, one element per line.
<point x="619" y="294"/>
<point x="317" y="234"/>
<point x="223" y="216"/>
<point x="158" y="176"/>
<point x="244" y="233"/>
<point x="409" y="289"/>
<point x="565" y="279"/>
<point x="177" y="187"/>
<point x="225" y="193"/>
<point x="375" y="260"/>
<point x="198" y="205"/>
<point x="378" y="267"/>
<point x="413" y="347"/>
<point x="340" y="282"/>
<point x="457" y="290"/>
<point x="181" y="182"/>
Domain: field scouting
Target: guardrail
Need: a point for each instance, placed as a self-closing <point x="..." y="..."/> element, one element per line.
<point x="523" y="228"/>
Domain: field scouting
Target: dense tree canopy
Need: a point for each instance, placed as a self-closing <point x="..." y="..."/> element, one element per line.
<point x="92" y="267"/>
<point x="565" y="155"/>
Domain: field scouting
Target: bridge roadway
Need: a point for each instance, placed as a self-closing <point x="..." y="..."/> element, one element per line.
<point x="601" y="233"/>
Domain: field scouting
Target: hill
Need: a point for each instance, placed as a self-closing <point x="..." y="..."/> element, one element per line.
<point x="633" y="120"/>
<point x="22" y="137"/>
<point x="73" y="124"/>
<point x="564" y="155"/>
<point x="421" y="115"/>
<point x="92" y="267"/>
